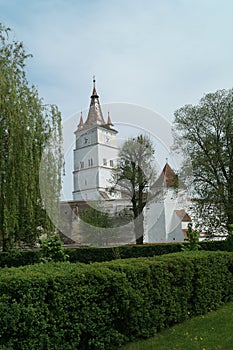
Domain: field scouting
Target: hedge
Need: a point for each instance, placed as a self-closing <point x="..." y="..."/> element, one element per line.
<point x="18" y="258"/>
<point x="103" y="305"/>
<point x="91" y="254"/>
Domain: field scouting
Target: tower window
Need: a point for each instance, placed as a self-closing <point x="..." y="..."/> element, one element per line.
<point x="111" y="163"/>
<point x="90" y="162"/>
<point x="104" y="161"/>
<point x="81" y="165"/>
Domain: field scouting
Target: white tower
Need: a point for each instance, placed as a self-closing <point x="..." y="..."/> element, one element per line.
<point x="95" y="154"/>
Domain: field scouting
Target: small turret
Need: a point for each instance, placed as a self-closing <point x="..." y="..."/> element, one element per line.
<point x="80" y="125"/>
<point x="109" y="122"/>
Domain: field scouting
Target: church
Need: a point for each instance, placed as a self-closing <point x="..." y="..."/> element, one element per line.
<point x="95" y="153"/>
<point x="94" y="157"/>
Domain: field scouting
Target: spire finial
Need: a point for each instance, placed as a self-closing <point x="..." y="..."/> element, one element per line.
<point x="94" y="93"/>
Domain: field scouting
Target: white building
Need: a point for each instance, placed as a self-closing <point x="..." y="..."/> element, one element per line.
<point x="95" y="154"/>
<point x="165" y="217"/>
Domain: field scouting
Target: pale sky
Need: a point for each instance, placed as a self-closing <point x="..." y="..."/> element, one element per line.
<point x="159" y="54"/>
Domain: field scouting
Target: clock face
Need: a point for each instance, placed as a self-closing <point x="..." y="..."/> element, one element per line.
<point x="106" y="139"/>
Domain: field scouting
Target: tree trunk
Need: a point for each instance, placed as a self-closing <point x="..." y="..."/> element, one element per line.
<point x="139" y="228"/>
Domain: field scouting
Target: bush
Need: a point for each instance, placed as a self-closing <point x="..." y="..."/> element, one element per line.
<point x="193" y="239"/>
<point x="52" y="249"/>
<point x="90" y="254"/>
<point x="18" y="258"/>
<point x="102" y="305"/>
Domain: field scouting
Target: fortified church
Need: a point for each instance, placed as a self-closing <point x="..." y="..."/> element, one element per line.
<point x="95" y="155"/>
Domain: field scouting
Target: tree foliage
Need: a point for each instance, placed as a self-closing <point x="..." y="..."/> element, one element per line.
<point x="96" y="225"/>
<point x="204" y="133"/>
<point x="134" y="175"/>
<point x="95" y="216"/>
<point x="193" y="236"/>
<point x="26" y="128"/>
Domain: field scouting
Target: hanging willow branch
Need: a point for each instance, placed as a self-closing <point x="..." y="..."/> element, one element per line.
<point x="26" y="128"/>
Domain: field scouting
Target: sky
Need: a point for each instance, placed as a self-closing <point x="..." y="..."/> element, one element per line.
<point x="157" y="54"/>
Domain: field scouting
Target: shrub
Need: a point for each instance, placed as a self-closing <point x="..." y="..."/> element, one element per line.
<point x="19" y="258"/>
<point x="92" y="254"/>
<point x="51" y="249"/>
<point x="193" y="239"/>
<point x="102" y="305"/>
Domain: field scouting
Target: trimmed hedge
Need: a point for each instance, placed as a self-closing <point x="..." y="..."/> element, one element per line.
<point x="18" y="258"/>
<point x="102" y="305"/>
<point x="216" y="245"/>
<point x="89" y="255"/>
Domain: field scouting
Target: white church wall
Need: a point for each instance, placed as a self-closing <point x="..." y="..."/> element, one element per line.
<point x="175" y="233"/>
<point x="170" y="204"/>
<point x="106" y="155"/>
<point x="154" y="222"/>
<point x="85" y="155"/>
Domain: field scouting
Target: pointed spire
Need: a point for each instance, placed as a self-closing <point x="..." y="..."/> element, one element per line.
<point x="80" y="125"/>
<point x="109" y="122"/>
<point x="95" y="115"/>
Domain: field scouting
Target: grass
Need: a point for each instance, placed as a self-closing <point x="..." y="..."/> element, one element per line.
<point x="212" y="331"/>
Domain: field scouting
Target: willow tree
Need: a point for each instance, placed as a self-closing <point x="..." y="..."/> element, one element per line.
<point x="204" y="133"/>
<point x="134" y="175"/>
<point x="26" y="128"/>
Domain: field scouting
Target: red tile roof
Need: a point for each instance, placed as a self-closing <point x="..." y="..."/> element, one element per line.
<point x="167" y="178"/>
<point x="184" y="217"/>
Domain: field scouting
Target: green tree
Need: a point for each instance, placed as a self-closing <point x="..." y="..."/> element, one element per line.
<point x="26" y="129"/>
<point x="133" y="177"/>
<point x="204" y="133"/>
<point x="95" y="224"/>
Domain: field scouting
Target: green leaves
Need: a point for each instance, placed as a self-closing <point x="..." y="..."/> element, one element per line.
<point x="26" y="127"/>
<point x="204" y="133"/>
<point x="133" y="176"/>
<point x="52" y="250"/>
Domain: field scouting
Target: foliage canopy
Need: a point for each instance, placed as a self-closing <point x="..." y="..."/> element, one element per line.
<point x="204" y="133"/>
<point x="134" y="175"/>
<point x="27" y="127"/>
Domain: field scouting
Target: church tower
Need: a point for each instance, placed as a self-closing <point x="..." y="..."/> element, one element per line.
<point x="95" y="153"/>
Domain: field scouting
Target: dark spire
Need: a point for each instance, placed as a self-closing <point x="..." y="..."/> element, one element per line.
<point x="95" y="115"/>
